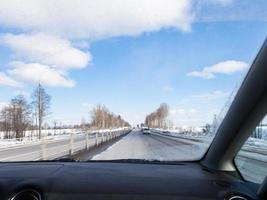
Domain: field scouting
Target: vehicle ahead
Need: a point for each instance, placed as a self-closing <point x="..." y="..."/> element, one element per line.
<point x="146" y="131"/>
<point x="166" y="132"/>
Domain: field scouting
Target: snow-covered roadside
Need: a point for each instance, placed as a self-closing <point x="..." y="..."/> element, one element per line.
<point x="50" y="135"/>
<point x="193" y="137"/>
<point x="254" y="148"/>
<point x="8" y="143"/>
<point x="253" y="143"/>
<point x="46" y="132"/>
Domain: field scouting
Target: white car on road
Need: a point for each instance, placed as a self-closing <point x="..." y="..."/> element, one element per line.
<point x="145" y="130"/>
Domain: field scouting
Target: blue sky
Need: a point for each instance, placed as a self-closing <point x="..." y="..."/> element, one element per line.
<point x="192" y="56"/>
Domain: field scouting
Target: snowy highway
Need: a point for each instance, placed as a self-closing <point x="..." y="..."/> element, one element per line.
<point x="155" y="146"/>
<point x="136" y="145"/>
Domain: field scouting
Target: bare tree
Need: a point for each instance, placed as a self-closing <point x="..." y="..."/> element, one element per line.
<point x="102" y="118"/>
<point x="55" y="126"/>
<point x="83" y="124"/>
<point x="16" y="117"/>
<point x="6" y="121"/>
<point x="157" y="119"/>
<point x="41" y="104"/>
<point x="20" y="111"/>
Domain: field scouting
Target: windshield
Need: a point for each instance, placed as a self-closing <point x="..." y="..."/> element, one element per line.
<point x="121" y="79"/>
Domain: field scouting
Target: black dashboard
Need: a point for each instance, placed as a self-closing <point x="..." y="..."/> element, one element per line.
<point x="105" y="180"/>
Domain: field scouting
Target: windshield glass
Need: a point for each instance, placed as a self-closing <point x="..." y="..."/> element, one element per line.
<point x="121" y="79"/>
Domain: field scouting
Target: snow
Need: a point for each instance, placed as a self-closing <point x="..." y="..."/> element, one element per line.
<point x="53" y="146"/>
<point x="46" y="132"/>
<point x="58" y="134"/>
<point x="50" y="135"/>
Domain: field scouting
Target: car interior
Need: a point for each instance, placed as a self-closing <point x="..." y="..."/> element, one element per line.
<point x="214" y="177"/>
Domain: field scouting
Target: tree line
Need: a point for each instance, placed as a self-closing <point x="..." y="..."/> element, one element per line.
<point x="102" y="118"/>
<point x="157" y="119"/>
<point x="19" y="115"/>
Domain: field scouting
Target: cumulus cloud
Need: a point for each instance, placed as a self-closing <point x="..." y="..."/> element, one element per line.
<point x="225" y="67"/>
<point x="35" y="72"/>
<point x="43" y="57"/>
<point x="96" y="19"/>
<point x="8" y="81"/>
<point x="50" y="34"/>
<point x="46" y="49"/>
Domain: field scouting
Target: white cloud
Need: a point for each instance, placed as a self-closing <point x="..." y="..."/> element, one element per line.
<point x="211" y="96"/>
<point x="8" y="81"/>
<point x="167" y="88"/>
<point x="225" y="67"/>
<point x="51" y="34"/>
<point x="35" y="72"/>
<point x="96" y="19"/>
<point x="45" y="57"/>
<point x="46" y="49"/>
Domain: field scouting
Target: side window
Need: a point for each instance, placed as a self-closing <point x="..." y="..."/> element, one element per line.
<point x="251" y="160"/>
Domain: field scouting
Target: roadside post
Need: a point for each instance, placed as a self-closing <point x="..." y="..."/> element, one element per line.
<point x="86" y="141"/>
<point x="71" y="144"/>
<point x="43" y="147"/>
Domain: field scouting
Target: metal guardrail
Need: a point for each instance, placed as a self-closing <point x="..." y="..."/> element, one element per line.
<point x="48" y="149"/>
<point x="161" y="133"/>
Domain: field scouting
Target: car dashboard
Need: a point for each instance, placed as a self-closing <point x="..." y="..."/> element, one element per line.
<point x="107" y="180"/>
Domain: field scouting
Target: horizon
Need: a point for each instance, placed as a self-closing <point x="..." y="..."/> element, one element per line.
<point x="192" y="56"/>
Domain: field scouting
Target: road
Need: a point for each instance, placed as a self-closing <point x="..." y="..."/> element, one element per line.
<point x="136" y="145"/>
<point x="139" y="146"/>
<point x="155" y="147"/>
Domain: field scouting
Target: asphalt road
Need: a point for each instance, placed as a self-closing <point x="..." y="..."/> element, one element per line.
<point x="136" y="145"/>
